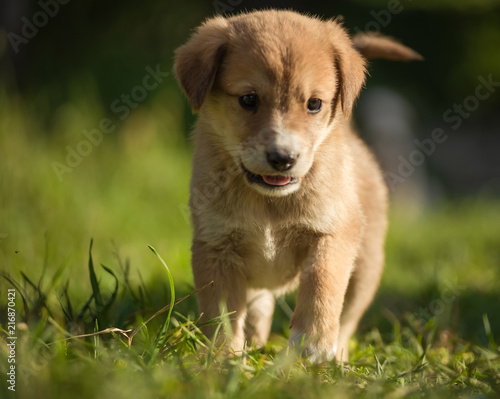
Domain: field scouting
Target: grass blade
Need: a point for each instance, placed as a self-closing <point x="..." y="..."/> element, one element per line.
<point x="93" y="281"/>
<point x="68" y="310"/>
<point x="172" y="302"/>
<point x="115" y="292"/>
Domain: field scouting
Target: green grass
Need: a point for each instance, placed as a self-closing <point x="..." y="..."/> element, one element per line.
<point x="77" y="254"/>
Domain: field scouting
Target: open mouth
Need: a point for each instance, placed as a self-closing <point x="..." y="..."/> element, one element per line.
<point x="269" y="181"/>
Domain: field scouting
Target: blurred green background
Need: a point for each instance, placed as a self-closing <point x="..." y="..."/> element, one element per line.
<point x="83" y="69"/>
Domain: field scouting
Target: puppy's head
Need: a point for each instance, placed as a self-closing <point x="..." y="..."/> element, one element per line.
<point x="269" y="86"/>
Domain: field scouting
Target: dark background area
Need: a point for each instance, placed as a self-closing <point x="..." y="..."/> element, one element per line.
<point x="113" y="40"/>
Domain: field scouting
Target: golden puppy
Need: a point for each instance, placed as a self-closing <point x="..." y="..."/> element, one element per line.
<point x="283" y="193"/>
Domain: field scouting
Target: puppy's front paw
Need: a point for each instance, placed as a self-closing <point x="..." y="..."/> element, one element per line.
<point x="318" y="351"/>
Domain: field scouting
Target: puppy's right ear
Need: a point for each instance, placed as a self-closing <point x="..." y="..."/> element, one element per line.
<point x="197" y="62"/>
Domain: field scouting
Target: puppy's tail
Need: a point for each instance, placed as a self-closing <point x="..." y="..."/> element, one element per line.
<point x="375" y="45"/>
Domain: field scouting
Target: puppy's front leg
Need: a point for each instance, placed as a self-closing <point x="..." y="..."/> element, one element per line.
<point x="323" y="284"/>
<point x="222" y="265"/>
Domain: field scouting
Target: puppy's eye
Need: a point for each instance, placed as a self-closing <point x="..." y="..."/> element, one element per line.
<point x="249" y="101"/>
<point x="314" y="105"/>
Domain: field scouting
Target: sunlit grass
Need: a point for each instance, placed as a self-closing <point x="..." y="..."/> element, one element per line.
<point x="131" y="190"/>
<point x="433" y="330"/>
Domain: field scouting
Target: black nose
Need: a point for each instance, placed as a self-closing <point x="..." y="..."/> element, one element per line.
<point x="281" y="161"/>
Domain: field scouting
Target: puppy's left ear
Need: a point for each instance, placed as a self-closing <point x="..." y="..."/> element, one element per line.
<point x="350" y="67"/>
<point x="197" y="62"/>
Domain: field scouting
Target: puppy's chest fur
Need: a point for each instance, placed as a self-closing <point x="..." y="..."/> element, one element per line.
<point x="273" y="256"/>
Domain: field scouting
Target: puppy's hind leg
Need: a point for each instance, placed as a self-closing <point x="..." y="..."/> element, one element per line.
<point x="260" y="309"/>
<point x="362" y="287"/>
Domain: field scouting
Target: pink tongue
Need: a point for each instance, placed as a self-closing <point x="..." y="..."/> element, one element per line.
<point x="276" y="180"/>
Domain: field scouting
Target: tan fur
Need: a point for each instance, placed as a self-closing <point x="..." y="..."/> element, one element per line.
<point x="324" y="233"/>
